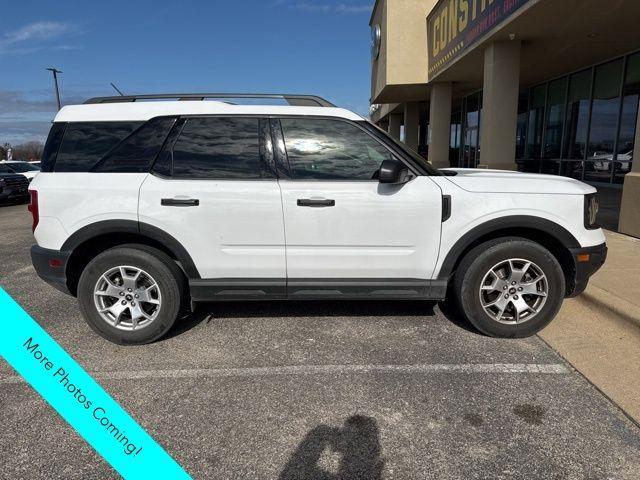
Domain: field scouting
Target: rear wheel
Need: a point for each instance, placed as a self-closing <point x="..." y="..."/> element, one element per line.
<point x="510" y="287"/>
<point x="130" y="294"/>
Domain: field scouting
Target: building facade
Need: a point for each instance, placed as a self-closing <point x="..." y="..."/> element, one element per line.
<point x="550" y="86"/>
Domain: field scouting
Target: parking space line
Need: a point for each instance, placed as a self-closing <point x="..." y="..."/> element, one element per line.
<point x="464" y="368"/>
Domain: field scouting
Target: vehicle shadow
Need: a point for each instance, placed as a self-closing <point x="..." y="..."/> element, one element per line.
<point x="357" y="444"/>
<point x="207" y="312"/>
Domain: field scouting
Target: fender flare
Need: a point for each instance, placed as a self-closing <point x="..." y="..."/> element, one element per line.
<point x="131" y="226"/>
<point x="558" y="232"/>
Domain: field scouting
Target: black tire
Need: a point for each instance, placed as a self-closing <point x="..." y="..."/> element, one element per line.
<point x="164" y="271"/>
<point x="480" y="260"/>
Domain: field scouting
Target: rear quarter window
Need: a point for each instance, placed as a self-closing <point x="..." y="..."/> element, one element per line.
<point x="85" y="143"/>
<point x="52" y="146"/>
<point x="136" y="153"/>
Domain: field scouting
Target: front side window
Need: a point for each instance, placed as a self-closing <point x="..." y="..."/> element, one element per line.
<point x="219" y="148"/>
<point x="326" y="149"/>
<point x="84" y="143"/>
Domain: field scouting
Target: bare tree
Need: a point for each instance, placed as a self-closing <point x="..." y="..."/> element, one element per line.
<point x="28" y="151"/>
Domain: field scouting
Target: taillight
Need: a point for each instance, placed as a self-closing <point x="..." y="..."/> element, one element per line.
<point x="33" y="208"/>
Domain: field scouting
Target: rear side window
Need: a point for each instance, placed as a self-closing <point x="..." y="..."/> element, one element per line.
<point x="324" y="149"/>
<point x="220" y="148"/>
<point x="137" y="152"/>
<point x="51" y="147"/>
<point x="85" y="143"/>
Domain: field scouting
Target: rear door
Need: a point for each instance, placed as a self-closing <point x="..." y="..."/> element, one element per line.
<point x="342" y="224"/>
<point x="213" y="189"/>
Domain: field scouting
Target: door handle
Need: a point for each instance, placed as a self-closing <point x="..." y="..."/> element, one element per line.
<point x="311" y="202"/>
<point x="180" y="202"/>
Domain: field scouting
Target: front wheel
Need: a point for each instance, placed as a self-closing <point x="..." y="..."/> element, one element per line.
<point x="130" y="295"/>
<point x="510" y="287"/>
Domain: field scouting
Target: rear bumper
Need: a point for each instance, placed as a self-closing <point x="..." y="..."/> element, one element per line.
<point x="586" y="262"/>
<point x="51" y="266"/>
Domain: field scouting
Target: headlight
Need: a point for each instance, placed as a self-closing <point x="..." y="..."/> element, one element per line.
<point x="591" y="211"/>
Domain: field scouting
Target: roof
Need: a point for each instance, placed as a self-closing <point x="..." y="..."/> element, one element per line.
<point x="142" y="111"/>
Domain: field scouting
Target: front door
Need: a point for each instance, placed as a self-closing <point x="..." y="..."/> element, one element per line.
<point x="342" y="226"/>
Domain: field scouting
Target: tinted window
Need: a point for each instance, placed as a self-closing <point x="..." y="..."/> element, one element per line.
<point x="51" y="147"/>
<point x="5" y="169"/>
<point x="219" y="148"/>
<point x="85" y="143"/>
<point x="575" y="145"/>
<point x="331" y="149"/>
<point x="136" y="153"/>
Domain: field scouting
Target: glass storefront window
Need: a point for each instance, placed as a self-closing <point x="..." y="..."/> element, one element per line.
<point x="630" y="99"/>
<point x="604" y="110"/>
<point x="555" y="118"/>
<point x="578" y="125"/>
<point x="577" y="115"/>
<point x="455" y="137"/>
<point x="536" y="121"/>
<point x="521" y="129"/>
<point x="573" y="169"/>
<point x="471" y="134"/>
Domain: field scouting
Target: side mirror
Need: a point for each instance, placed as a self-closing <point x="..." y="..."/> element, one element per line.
<point x="393" y="172"/>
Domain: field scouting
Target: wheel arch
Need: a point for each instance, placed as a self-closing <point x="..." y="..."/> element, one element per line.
<point x="95" y="238"/>
<point x="554" y="237"/>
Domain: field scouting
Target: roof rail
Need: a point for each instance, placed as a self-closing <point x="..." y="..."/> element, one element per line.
<point x="293" y="100"/>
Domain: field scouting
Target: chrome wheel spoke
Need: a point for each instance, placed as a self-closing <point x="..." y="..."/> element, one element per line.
<point x="117" y="309"/>
<point x="532" y="289"/>
<point x="517" y="274"/>
<point x="130" y="280"/>
<point x="520" y="307"/>
<point x="109" y="290"/>
<point x="147" y="295"/>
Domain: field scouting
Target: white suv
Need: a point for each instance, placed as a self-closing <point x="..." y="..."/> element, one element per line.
<point x="145" y="207"/>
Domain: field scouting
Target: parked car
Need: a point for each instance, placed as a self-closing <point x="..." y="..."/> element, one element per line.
<point x="13" y="186"/>
<point x="144" y="208"/>
<point x="603" y="161"/>
<point x="22" y="168"/>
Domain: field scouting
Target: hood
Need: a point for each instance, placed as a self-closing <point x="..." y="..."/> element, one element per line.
<point x="506" y="181"/>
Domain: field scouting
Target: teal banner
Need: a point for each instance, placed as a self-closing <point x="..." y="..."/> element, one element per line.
<point x="78" y="398"/>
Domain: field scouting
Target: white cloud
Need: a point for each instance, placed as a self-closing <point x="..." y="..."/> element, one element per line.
<point x="33" y="36"/>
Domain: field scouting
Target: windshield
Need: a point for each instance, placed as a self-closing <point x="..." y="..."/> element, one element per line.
<point x="22" y="167"/>
<point x="5" y="169"/>
<point x="431" y="170"/>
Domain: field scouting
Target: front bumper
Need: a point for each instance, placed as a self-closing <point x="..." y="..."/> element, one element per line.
<point x="586" y="262"/>
<point x="51" y="266"/>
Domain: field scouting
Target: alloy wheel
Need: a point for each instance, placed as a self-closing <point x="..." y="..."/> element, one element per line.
<point x="127" y="298"/>
<point x="514" y="291"/>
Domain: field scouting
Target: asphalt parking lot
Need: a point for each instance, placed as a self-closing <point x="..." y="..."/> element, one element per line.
<point x="316" y="390"/>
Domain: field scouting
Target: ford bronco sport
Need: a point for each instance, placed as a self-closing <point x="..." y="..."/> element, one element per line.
<point x="148" y="204"/>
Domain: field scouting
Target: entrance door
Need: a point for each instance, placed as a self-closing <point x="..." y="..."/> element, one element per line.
<point x="342" y="227"/>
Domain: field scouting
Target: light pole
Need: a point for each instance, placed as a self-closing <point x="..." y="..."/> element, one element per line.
<point x="55" y="72"/>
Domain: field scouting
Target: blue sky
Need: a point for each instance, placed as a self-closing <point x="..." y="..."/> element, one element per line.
<point x="292" y="46"/>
